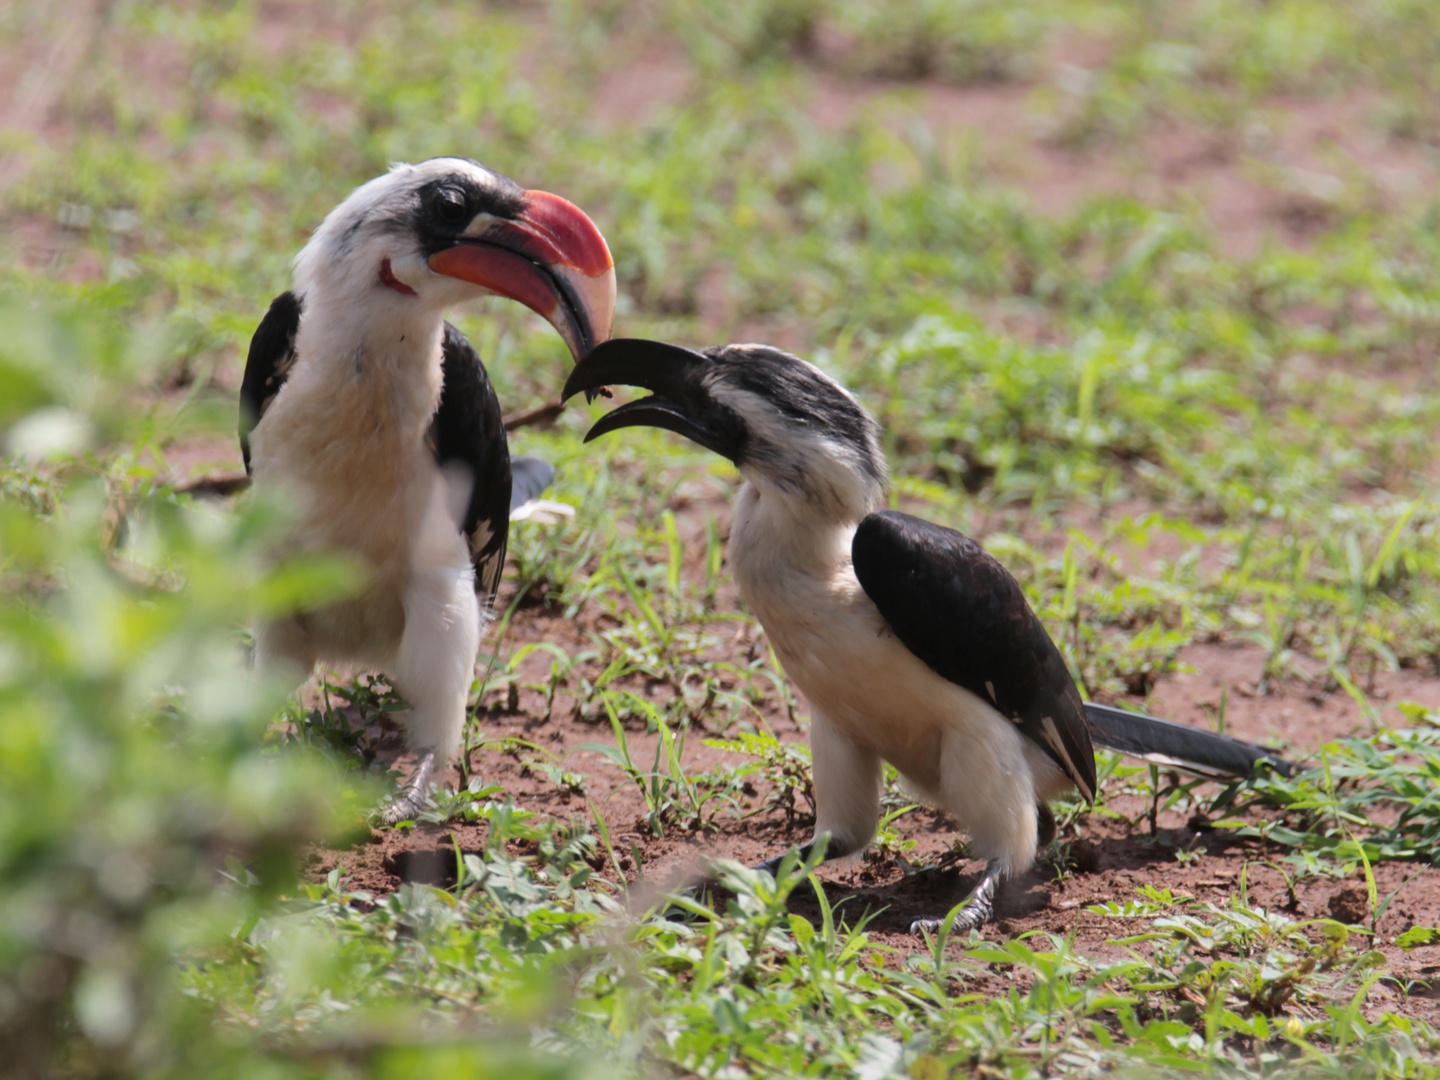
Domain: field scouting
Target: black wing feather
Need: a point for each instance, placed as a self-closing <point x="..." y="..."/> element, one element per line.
<point x="957" y="609"/>
<point x="469" y="430"/>
<point x="272" y="355"/>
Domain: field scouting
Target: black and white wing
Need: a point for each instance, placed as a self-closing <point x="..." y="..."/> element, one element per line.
<point x="957" y="609"/>
<point x="272" y="355"/>
<point x="469" y="431"/>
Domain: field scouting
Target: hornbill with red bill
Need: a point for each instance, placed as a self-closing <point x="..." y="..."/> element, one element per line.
<point x="910" y="642"/>
<point x="378" y="420"/>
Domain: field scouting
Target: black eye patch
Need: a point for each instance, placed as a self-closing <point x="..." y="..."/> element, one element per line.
<point x="450" y="205"/>
<point x="445" y="206"/>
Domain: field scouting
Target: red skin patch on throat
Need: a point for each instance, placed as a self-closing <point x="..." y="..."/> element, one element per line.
<point x="389" y="280"/>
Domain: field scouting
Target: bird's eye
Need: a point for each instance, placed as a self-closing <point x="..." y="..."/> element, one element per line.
<point x="450" y="205"/>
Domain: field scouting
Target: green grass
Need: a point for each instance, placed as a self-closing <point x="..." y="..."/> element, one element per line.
<point x="1269" y="419"/>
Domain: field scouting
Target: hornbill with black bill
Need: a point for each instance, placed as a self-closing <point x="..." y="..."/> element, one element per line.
<point x="377" y="418"/>
<point x="910" y="642"/>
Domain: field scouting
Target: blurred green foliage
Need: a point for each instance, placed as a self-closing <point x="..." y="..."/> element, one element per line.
<point x="132" y="760"/>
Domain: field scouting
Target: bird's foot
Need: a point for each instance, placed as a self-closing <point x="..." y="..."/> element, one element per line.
<point x="803" y="852"/>
<point x="770" y="866"/>
<point x="413" y="796"/>
<point x="977" y="911"/>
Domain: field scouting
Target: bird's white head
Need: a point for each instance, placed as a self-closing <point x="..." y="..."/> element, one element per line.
<point x="791" y="429"/>
<point x="425" y="236"/>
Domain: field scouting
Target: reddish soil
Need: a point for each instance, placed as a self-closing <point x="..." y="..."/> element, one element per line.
<point x="1298" y="161"/>
<point x="1109" y="859"/>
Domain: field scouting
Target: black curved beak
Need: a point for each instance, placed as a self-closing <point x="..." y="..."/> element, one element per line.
<point x="680" y="400"/>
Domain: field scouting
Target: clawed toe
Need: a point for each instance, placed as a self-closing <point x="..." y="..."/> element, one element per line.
<point x="406" y="806"/>
<point x="978" y="911"/>
<point x="412" y="798"/>
<point x="969" y="919"/>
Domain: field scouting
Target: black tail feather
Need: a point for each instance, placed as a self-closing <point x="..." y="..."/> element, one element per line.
<point x="1194" y="750"/>
<point x="529" y="476"/>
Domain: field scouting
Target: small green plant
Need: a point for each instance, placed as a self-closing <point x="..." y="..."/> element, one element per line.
<point x="783" y="767"/>
<point x="671" y="795"/>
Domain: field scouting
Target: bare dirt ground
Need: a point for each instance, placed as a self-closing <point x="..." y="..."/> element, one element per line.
<point x="1104" y="859"/>
<point x="1277" y="181"/>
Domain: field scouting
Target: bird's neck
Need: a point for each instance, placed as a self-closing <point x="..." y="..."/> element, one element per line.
<point x="777" y="540"/>
<point x="383" y="348"/>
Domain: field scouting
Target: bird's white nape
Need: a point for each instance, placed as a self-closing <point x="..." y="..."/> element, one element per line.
<point x="810" y="471"/>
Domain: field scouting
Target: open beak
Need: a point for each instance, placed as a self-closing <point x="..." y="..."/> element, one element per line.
<point x="680" y="401"/>
<point x="550" y="257"/>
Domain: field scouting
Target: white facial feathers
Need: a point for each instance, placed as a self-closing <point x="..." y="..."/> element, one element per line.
<point x="377" y="221"/>
<point x="819" y="450"/>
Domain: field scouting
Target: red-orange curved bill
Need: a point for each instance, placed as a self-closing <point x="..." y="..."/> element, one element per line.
<point x="551" y="258"/>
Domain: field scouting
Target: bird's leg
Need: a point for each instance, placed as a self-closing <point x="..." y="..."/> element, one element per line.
<point x="413" y="794"/>
<point x="770" y="866"/>
<point x="436" y="661"/>
<point x="976" y="913"/>
<point x="847" y="794"/>
<point x="981" y="907"/>
<point x="847" y="797"/>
